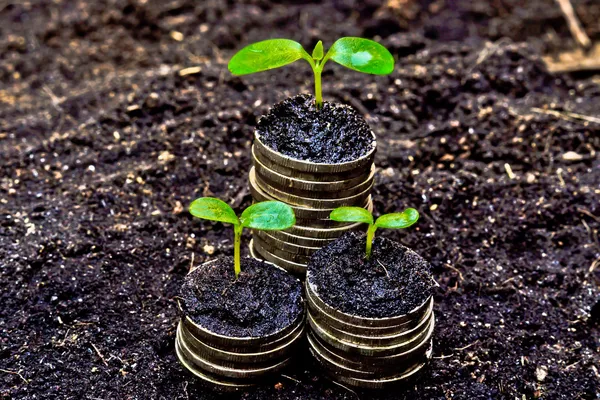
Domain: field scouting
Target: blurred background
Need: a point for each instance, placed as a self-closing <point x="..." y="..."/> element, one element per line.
<point x="115" y="114"/>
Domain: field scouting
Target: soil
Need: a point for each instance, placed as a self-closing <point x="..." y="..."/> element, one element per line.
<point x="106" y="135"/>
<point x="334" y="134"/>
<point x="262" y="301"/>
<point x="392" y="282"/>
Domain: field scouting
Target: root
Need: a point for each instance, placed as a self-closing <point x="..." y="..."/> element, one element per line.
<point x="15" y="373"/>
<point x="467" y="346"/>
<point x="385" y="269"/>
<point x="460" y="275"/>
<point x="99" y="354"/>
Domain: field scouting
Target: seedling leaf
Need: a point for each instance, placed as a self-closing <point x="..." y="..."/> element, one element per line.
<point x="357" y="214"/>
<point x="362" y="55"/>
<point x="317" y="53"/>
<point x="268" y="215"/>
<point x="359" y="54"/>
<point x="214" y="210"/>
<point x="265" y="55"/>
<point x="351" y="214"/>
<point x="398" y="220"/>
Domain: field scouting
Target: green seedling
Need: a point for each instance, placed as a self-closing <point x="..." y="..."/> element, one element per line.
<point x="390" y="221"/>
<point x="362" y="55"/>
<point x="265" y="216"/>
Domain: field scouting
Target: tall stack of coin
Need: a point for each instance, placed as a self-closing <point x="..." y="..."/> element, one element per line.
<point x="369" y="353"/>
<point x="313" y="190"/>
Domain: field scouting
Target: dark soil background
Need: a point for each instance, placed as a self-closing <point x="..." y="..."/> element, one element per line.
<point x="106" y="135"/>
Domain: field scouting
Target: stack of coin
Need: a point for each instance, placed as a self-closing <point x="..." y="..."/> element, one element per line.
<point x="227" y="363"/>
<point x="313" y="190"/>
<point x="369" y="353"/>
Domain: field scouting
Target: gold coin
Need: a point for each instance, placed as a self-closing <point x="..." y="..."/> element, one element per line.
<point x="358" y="200"/>
<point x="296" y="258"/>
<point x="417" y="313"/>
<point x="289" y="247"/>
<point x="299" y="240"/>
<point x="308" y="166"/>
<point x="378" y="331"/>
<point x="365" y="350"/>
<point x="289" y="266"/>
<point x="307" y="188"/>
<point x="258" y="194"/>
<point x="360" y="379"/>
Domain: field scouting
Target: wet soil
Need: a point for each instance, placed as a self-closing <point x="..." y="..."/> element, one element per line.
<point x="392" y="282"/>
<point x="334" y="134"/>
<point x="106" y="135"/>
<point x="261" y="301"/>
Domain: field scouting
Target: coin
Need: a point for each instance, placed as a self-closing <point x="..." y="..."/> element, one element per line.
<point x="307" y="188"/>
<point x="312" y="167"/>
<point x="296" y="258"/>
<point x="291" y="267"/>
<point x="356" y="378"/>
<point x="289" y="247"/>
<point x="358" y="200"/>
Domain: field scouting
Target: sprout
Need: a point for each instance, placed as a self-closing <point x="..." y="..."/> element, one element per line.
<point x="266" y="216"/>
<point x="390" y="221"/>
<point x="359" y="54"/>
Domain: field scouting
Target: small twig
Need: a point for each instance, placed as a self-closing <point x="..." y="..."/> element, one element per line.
<point x="593" y="235"/>
<point x="99" y="354"/>
<point x="572" y="365"/>
<point x="589" y="214"/>
<point x="487" y="51"/>
<point x="290" y="378"/>
<point x="65" y="338"/>
<point x="467" y="346"/>
<point x="512" y="278"/>
<point x="443" y="357"/>
<point x="559" y="172"/>
<point x="574" y="25"/>
<point x="185" y="389"/>
<point x="348" y="389"/>
<point x="460" y="275"/>
<point x="595" y="263"/>
<point x="56" y="101"/>
<point x="566" y="115"/>
<point x="192" y="263"/>
<point x="15" y="373"/>
<point x="509" y="171"/>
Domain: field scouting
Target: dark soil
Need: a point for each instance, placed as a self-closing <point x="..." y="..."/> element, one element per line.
<point x="334" y="134"/>
<point x="392" y="282"/>
<point x="262" y="301"/>
<point x="103" y="144"/>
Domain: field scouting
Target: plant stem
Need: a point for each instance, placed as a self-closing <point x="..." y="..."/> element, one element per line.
<point x="318" y="94"/>
<point x="370" y="236"/>
<point x="237" y="231"/>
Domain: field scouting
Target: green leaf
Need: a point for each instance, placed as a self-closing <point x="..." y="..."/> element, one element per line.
<point x="268" y="216"/>
<point x="268" y="54"/>
<point x="317" y="53"/>
<point x="362" y="55"/>
<point x="398" y="220"/>
<point x="351" y="214"/>
<point x="213" y="210"/>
